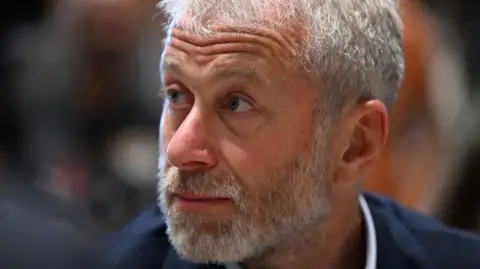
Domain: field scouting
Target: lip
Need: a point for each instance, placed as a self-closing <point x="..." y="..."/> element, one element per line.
<point x="200" y="202"/>
<point x="199" y="197"/>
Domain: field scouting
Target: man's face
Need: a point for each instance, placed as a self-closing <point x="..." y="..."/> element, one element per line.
<point x="246" y="163"/>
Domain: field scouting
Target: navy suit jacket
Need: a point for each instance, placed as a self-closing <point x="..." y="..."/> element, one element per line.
<point x="405" y="240"/>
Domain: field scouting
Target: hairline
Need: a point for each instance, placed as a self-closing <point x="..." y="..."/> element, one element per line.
<point x="321" y="56"/>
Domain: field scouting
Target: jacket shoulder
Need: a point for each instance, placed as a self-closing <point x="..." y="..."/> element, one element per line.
<point x="142" y="243"/>
<point x="443" y="246"/>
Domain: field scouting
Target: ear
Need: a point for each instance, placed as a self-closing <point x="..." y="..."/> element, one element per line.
<point x="361" y="136"/>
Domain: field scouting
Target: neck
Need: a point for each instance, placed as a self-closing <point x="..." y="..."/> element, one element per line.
<point x="336" y="244"/>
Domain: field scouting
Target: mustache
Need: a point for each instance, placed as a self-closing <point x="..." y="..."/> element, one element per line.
<point x="174" y="180"/>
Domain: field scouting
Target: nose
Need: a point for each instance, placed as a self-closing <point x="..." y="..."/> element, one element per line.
<point x="189" y="148"/>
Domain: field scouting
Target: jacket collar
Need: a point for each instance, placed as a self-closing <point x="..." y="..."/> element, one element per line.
<point x="397" y="248"/>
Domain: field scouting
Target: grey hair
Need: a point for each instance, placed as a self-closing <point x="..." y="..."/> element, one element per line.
<point x="353" y="48"/>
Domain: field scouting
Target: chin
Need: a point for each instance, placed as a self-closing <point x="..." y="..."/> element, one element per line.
<point x="210" y="249"/>
<point x="202" y="240"/>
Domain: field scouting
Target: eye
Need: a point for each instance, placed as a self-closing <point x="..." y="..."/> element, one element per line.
<point x="238" y="104"/>
<point x="176" y="97"/>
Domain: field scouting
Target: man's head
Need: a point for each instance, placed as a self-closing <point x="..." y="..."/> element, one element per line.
<point x="272" y="108"/>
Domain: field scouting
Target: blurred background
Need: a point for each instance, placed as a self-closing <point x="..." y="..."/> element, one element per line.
<point x="79" y="118"/>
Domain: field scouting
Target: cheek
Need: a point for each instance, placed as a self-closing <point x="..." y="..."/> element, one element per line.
<point x="282" y="145"/>
<point x="261" y="159"/>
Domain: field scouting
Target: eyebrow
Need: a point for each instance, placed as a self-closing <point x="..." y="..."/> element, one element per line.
<point x="245" y="72"/>
<point x="171" y="65"/>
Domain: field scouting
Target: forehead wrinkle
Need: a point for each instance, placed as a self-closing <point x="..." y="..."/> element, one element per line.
<point x="246" y="73"/>
<point x="278" y="41"/>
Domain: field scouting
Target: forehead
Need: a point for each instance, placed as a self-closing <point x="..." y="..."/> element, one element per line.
<point x="229" y="67"/>
<point x="258" y="47"/>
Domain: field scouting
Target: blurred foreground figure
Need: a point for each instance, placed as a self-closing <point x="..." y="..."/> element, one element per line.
<point x="274" y="112"/>
<point x="98" y="104"/>
<point x="459" y="205"/>
<point x="38" y="230"/>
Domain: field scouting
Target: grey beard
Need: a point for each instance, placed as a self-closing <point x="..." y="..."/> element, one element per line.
<point x="284" y="204"/>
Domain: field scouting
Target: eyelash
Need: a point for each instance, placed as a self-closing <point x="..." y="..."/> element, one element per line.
<point x="240" y="96"/>
<point x="224" y="101"/>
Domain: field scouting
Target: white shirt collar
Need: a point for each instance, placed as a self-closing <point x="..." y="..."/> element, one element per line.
<point x="371" y="259"/>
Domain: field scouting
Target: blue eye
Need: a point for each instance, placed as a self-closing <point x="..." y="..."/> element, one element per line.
<point x="176" y="97"/>
<point x="237" y="104"/>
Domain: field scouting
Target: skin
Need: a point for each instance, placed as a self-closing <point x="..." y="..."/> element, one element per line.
<point x="239" y="103"/>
